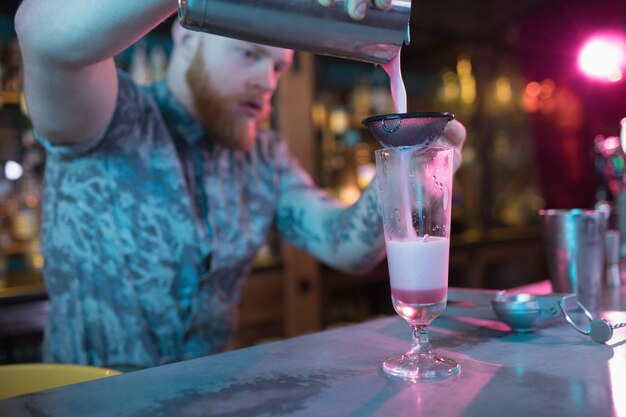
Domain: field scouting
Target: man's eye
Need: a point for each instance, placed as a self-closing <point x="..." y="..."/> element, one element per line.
<point x="248" y="54"/>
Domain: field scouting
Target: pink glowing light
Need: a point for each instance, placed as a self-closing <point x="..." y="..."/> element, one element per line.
<point x="604" y="57"/>
<point x="611" y="143"/>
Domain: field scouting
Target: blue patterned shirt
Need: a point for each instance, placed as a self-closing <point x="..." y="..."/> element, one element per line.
<point x="149" y="231"/>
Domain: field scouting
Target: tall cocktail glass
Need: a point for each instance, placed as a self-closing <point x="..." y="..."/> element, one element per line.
<point x="415" y="191"/>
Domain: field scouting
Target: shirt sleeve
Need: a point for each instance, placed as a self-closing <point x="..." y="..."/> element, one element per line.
<point x="128" y="112"/>
<point x="291" y="173"/>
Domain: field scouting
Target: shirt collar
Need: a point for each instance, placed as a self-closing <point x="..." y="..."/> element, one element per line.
<point x="181" y="123"/>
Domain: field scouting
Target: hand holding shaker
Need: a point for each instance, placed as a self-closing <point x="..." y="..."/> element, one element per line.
<point x="303" y="25"/>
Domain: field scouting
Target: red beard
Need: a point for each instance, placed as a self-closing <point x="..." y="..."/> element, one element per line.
<point x="216" y="114"/>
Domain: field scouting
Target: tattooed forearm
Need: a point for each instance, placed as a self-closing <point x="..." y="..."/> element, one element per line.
<point x="371" y="222"/>
<point x="361" y="221"/>
<point x="293" y="227"/>
<point x="337" y="228"/>
<point x="348" y="238"/>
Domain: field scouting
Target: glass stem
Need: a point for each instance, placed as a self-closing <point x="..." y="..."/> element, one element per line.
<point x="420" y="344"/>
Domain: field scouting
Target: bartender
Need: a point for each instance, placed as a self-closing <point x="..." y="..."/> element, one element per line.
<point x="157" y="197"/>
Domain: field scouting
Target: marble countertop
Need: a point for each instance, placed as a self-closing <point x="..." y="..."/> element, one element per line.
<point x="554" y="371"/>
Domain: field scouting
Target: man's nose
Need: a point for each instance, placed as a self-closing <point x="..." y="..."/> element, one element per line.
<point x="265" y="78"/>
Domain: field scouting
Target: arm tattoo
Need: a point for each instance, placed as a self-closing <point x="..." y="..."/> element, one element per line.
<point x="372" y="222"/>
<point x="361" y="221"/>
<point x="294" y="229"/>
<point x="337" y="228"/>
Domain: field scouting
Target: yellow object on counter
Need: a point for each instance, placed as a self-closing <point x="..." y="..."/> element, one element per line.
<point x="27" y="378"/>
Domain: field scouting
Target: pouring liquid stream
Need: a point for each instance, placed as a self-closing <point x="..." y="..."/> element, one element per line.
<point x="398" y="94"/>
<point x="398" y="91"/>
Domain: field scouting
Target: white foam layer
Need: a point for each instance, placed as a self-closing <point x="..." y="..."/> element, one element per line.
<point x="418" y="265"/>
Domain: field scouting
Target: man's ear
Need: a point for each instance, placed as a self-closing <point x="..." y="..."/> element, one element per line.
<point x="186" y="41"/>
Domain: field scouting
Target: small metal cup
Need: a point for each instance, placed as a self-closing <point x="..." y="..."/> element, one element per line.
<point x="303" y="25"/>
<point x="575" y="248"/>
<point x="520" y="311"/>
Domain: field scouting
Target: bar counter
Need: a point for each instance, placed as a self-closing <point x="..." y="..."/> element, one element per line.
<point x="554" y="371"/>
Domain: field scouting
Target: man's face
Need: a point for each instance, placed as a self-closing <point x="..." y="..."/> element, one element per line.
<point x="232" y="83"/>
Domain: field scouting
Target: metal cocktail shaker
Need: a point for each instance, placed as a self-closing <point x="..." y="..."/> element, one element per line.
<point x="575" y="248"/>
<point x="303" y="25"/>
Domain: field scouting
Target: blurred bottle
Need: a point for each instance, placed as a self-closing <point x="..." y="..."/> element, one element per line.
<point x="13" y="78"/>
<point x="24" y="208"/>
<point x="361" y="99"/>
<point x="611" y="250"/>
<point x="158" y="62"/>
<point x="5" y="240"/>
<point x="139" y="66"/>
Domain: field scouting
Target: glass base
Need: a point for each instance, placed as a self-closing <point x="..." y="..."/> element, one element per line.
<point x="415" y="367"/>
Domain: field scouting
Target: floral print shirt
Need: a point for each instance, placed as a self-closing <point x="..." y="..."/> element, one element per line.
<point x="149" y="231"/>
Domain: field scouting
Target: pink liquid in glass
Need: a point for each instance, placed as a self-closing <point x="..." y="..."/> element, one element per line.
<point x="420" y="296"/>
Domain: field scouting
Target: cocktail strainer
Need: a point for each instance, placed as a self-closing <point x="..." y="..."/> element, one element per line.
<point x="408" y="129"/>
<point x="522" y="312"/>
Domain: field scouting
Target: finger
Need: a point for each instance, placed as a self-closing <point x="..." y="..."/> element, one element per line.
<point x="383" y="4"/>
<point x="357" y="8"/>
<point x="455" y="133"/>
<point x="458" y="160"/>
<point x="325" y="3"/>
<point x="458" y="156"/>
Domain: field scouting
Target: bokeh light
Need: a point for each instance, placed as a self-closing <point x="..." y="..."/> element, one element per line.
<point x="603" y="57"/>
<point x="13" y="170"/>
